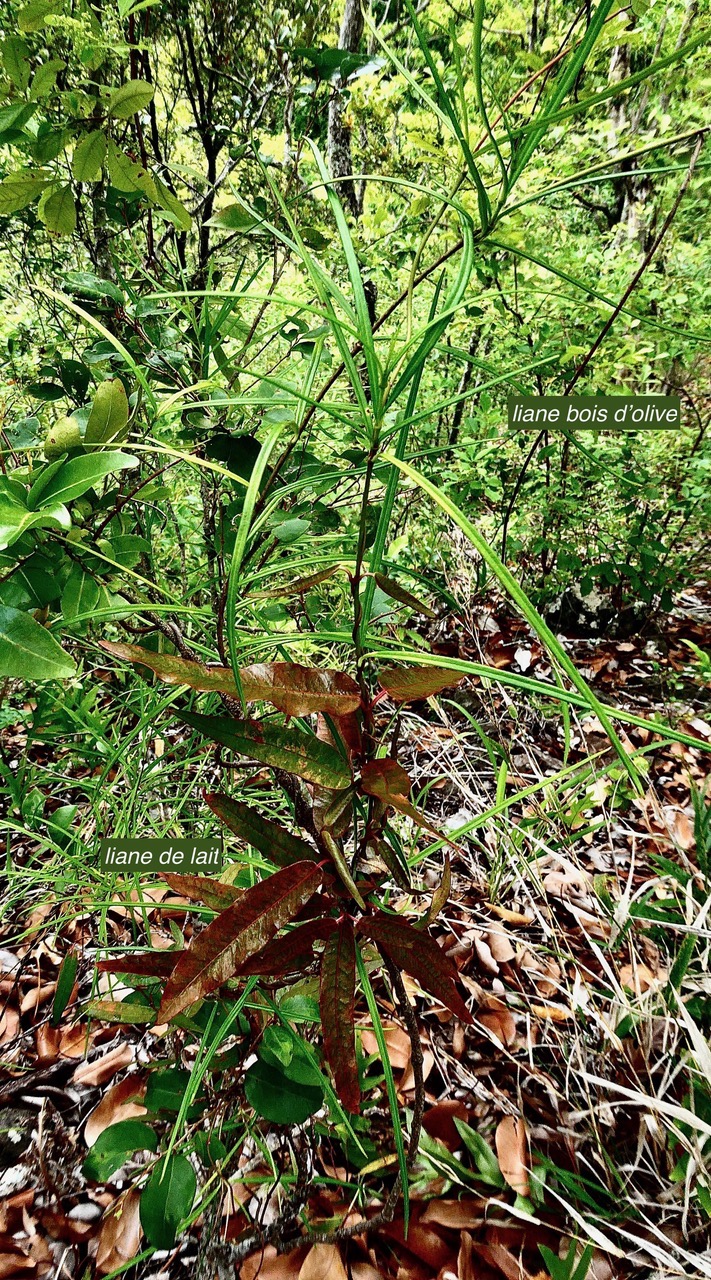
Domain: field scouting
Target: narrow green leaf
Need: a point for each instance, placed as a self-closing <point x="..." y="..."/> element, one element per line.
<point x="65" y="986"/>
<point x="166" y="1200"/>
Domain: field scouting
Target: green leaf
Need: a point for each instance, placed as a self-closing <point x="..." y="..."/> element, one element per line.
<point x="484" y="1157"/>
<point x="108" y="420"/>
<point x="58" y="212"/>
<point x="299" y="753"/>
<point x="16" y="520"/>
<point x="65" y="986"/>
<point x="217" y="953"/>
<point x="283" y="1086"/>
<point x="32" y="16"/>
<point x="114" y="1144"/>
<point x="121" y="1012"/>
<point x="131" y="97"/>
<point x="88" y="158"/>
<point x="19" y="189"/>
<point x="15" y="115"/>
<point x="233" y="218"/>
<point x="205" y="889"/>
<point x="44" y="79"/>
<point x="167" y="1199"/>
<point x="337" y="1005"/>
<point x="28" y="651"/>
<point x="77" y="475"/>
<point x="126" y="174"/>
<point x="166" y="1089"/>
<point x="15" y="57"/>
<point x="274" y="841"/>
<point x="172" y="205"/>
<point x="81" y="594"/>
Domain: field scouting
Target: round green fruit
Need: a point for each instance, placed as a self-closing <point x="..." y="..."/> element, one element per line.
<point x="61" y="437"/>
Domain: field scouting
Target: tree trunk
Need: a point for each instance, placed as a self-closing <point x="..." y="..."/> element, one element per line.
<point x="340" y="157"/>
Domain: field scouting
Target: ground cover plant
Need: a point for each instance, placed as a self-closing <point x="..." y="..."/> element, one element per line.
<point x="276" y="575"/>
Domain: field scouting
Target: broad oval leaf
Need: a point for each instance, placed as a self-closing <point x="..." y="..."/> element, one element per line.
<point x="108" y="420"/>
<point x="277" y="1097"/>
<point x="337" y="1006"/>
<point x="89" y="155"/>
<point x="58" y="211"/>
<point x="236" y="934"/>
<point x="28" y="651"/>
<point x="287" y="749"/>
<point x="114" y="1144"/>
<point x="410" y="684"/>
<point x="18" y="190"/>
<point x="418" y="954"/>
<point x="131" y="97"/>
<point x="16" y="520"/>
<point x="270" y="838"/>
<point x="167" y="1199"/>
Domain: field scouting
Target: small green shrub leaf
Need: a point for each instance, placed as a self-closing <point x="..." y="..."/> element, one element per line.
<point x="167" y="1199"/>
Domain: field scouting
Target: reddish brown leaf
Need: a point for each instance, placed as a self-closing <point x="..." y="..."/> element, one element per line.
<point x="289" y="953"/>
<point x="176" y="670"/>
<point x="387" y="781"/>
<point x="396" y="592"/>
<point x="296" y="752"/>
<point x="213" y="893"/>
<point x="512" y="1151"/>
<point x="300" y="691"/>
<point x="299" y="586"/>
<point x="145" y="964"/>
<point x="271" y="839"/>
<point x="293" y="689"/>
<point x="418" y="954"/>
<point x="410" y="684"/>
<point x="236" y="934"/>
<point x="337" y="1002"/>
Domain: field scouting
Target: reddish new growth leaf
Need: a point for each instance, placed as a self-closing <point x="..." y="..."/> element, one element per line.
<point x="418" y="954"/>
<point x="387" y="781"/>
<point x="299" y="691"/>
<point x="213" y="893"/>
<point x="290" y="953"/>
<point x="274" y="841"/>
<point x="291" y="688"/>
<point x="337" y="1002"/>
<point x="145" y="964"/>
<point x="410" y="684"/>
<point x="219" y="952"/>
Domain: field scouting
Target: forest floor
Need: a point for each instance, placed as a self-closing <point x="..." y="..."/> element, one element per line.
<point x="577" y="920"/>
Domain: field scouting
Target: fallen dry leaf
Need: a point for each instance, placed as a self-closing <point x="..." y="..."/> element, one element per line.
<point x="439" y="1120"/>
<point x="102" y="1069"/>
<point x="120" y="1234"/>
<point x="398" y="1042"/>
<point x="116" y="1105"/>
<point x="323" y="1262"/>
<point x="267" y="1264"/>
<point x="455" y="1214"/>
<point x="499" y="1021"/>
<point x="512" y="1152"/>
